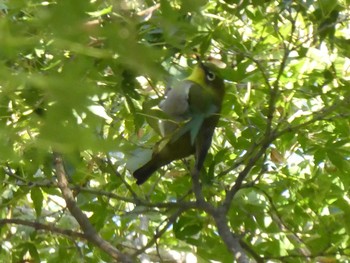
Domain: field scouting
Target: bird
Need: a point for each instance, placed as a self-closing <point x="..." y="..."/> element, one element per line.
<point x="193" y="108"/>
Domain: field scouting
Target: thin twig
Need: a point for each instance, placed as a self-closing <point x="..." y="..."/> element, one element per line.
<point x="40" y="226"/>
<point x="159" y="233"/>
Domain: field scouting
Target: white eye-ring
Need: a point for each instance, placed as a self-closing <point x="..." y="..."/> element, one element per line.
<point x="210" y="76"/>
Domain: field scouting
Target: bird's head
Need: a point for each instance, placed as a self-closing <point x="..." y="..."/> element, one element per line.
<point x="207" y="75"/>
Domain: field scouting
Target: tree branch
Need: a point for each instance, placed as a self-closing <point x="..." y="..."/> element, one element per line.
<point x="231" y="240"/>
<point x="89" y="231"/>
<point x="197" y="189"/>
<point x="40" y="226"/>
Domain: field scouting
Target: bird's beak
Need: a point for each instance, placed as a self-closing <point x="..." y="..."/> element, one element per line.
<point x="200" y="63"/>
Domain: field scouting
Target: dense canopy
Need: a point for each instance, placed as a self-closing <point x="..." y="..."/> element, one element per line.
<point x="80" y="84"/>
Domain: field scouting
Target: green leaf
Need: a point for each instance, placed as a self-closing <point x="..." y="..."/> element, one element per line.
<point x="83" y="79"/>
<point x="187" y="226"/>
<point x="336" y="159"/>
<point x="37" y="197"/>
<point x="327" y="6"/>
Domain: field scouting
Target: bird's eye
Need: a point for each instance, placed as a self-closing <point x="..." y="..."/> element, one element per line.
<point x="210" y="76"/>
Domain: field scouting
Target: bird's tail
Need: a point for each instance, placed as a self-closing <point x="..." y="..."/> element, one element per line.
<point x="145" y="172"/>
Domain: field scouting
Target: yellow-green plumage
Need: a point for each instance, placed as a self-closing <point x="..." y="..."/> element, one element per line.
<point x="193" y="107"/>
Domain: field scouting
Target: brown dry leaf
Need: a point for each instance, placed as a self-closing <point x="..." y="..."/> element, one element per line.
<point x="276" y="156"/>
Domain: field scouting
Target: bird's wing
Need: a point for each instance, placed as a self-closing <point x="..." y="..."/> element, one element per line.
<point x="201" y="106"/>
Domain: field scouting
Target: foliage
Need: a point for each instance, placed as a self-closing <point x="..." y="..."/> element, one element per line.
<point x="79" y="85"/>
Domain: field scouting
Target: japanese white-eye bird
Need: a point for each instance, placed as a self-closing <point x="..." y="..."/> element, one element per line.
<point x="193" y="107"/>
